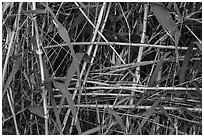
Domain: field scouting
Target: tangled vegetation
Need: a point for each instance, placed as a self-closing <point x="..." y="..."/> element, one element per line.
<point x="102" y="68"/>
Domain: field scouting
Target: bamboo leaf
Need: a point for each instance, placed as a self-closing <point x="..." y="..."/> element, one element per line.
<point x="36" y="110"/>
<point x="86" y="58"/>
<point x="71" y="71"/>
<point x="156" y="71"/>
<point x="177" y="36"/>
<point x="62" y="31"/>
<point x="186" y="60"/>
<point x="63" y="89"/>
<point x="15" y="68"/>
<point x="163" y="16"/>
<point x="117" y="117"/>
<point x="148" y="113"/>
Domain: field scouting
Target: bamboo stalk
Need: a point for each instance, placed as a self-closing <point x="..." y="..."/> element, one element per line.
<point x="137" y="89"/>
<point x="44" y="94"/>
<point x="121" y="44"/>
<point x="140" y="53"/>
<point x="195" y="109"/>
<point x="128" y="95"/>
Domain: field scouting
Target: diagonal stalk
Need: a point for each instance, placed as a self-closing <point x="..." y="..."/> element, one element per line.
<point x="9" y="96"/>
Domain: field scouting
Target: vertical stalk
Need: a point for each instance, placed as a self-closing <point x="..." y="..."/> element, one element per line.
<point x="44" y="91"/>
<point x="139" y="57"/>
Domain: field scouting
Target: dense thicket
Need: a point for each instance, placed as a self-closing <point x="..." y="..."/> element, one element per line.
<point x="102" y="68"/>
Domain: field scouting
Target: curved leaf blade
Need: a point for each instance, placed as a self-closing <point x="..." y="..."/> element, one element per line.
<point x="163" y="16"/>
<point x="71" y="70"/>
<point x="186" y="60"/>
<point x="63" y="89"/>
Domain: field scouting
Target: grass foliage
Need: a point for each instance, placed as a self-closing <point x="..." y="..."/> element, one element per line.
<point x="102" y="68"/>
